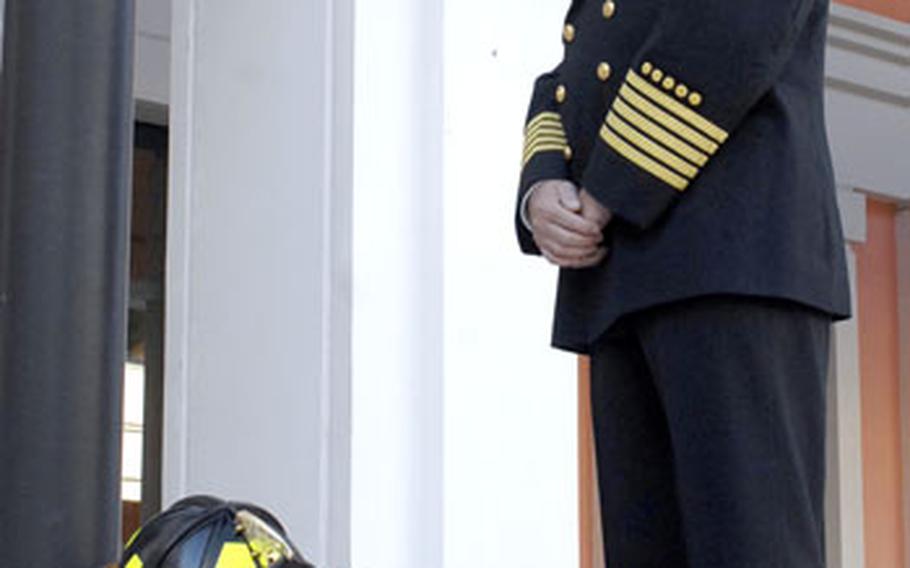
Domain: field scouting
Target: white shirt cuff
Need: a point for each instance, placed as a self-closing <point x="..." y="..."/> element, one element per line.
<point x="523" y="208"/>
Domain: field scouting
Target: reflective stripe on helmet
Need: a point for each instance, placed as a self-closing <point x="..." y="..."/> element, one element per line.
<point x="235" y="555"/>
<point x="132" y="538"/>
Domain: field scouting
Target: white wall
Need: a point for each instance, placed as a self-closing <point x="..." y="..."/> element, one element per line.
<point x="464" y="450"/>
<point x="510" y="400"/>
<point x="397" y="362"/>
<point x="153" y="57"/>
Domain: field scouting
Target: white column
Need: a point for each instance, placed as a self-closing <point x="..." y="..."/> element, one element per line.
<point x="258" y="262"/>
<point x="844" y="496"/>
<point x="844" y="532"/>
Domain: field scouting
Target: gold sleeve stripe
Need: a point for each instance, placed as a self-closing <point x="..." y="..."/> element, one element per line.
<point x="544" y="126"/>
<point x="547" y="130"/>
<point x="542" y="148"/>
<point x="656" y="151"/>
<point x="657" y="132"/>
<point x="544" y="133"/>
<point x="664" y="100"/>
<point x="641" y="160"/>
<point x="667" y="121"/>
<point x="543" y="141"/>
<point x="552" y="117"/>
<point x="546" y="136"/>
<point x="545" y="116"/>
<point x="554" y="127"/>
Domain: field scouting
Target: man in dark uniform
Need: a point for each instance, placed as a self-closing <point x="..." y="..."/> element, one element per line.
<point x="676" y="168"/>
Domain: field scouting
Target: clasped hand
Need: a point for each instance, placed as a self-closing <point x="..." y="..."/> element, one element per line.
<point x="568" y="224"/>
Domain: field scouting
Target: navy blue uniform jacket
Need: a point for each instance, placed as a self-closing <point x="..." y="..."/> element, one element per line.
<point x="700" y="124"/>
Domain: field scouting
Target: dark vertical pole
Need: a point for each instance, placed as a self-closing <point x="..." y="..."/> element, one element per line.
<point x="153" y="327"/>
<point x="65" y="152"/>
<point x="150" y="198"/>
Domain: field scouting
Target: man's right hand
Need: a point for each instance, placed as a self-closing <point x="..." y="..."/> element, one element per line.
<point x="564" y="236"/>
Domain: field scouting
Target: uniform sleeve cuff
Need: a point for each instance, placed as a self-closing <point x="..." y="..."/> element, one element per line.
<point x="628" y="192"/>
<point x="546" y="156"/>
<point x="652" y="145"/>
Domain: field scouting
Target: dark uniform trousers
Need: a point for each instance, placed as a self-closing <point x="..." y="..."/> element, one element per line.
<point x="709" y="423"/>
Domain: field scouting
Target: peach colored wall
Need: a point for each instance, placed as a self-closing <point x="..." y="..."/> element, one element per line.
<point x="880" y="389"/>
<point x="587" y="505"/>
<point x="897" y="9"/>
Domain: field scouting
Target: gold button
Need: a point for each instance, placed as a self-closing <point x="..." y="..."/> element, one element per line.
<point x="561" y="93"/>
<point x="669" y="83"/>
<point x="568" y="33"/>
<point x="682" y="91"/>
<point x="646" y="68"/>
<point x="603" y="71"/>
<point x="695" y="99"/>
<point x="609" y="9"/>
<point x="657" y="75"/>
<point x="567" y="153"/>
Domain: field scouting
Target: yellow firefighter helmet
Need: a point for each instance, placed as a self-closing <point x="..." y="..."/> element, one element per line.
<point x="206" y="532"/>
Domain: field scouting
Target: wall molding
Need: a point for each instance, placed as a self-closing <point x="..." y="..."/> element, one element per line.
<point x="867" y="79"/>
<point x="152" y="79"/>
<point x="883" y="37"/>
<point x="869" y="55"/>
<point x="887" y="35"/>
